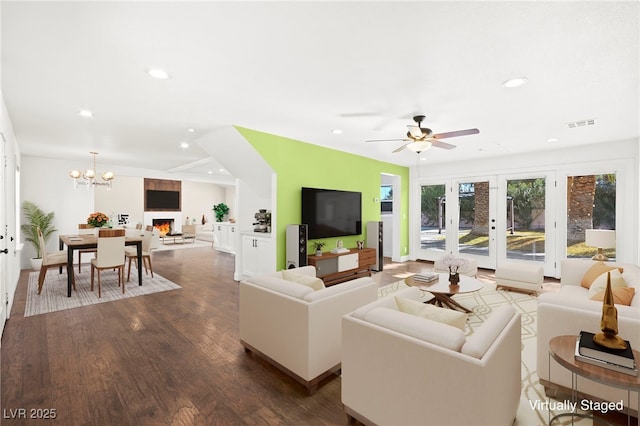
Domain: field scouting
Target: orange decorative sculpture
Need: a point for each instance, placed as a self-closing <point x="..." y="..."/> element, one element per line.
<point x="609" y="322"/>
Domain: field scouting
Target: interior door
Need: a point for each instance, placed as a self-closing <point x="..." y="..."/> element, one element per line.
<point x="4" y="242"/>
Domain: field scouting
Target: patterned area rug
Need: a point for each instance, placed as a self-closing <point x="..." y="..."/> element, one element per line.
<point x="533" y="401"/>
<point x="54" y="291"/>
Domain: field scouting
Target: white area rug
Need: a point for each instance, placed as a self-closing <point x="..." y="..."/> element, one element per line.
<point x="533" y="401"/>
<point x="54" y="291"/>
<point x="181" y="246"/>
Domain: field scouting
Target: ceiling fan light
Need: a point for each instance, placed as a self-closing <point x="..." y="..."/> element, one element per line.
<point x="419" y="146"/>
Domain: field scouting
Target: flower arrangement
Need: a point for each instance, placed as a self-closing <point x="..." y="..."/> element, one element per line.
<point x="97" y="219"/>
<point x="453" y="263"/>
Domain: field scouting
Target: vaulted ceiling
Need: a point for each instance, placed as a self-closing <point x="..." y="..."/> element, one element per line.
<point x="306" y="69"/>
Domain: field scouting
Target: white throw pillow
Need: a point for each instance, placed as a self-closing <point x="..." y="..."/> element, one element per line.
<point x="600" y="283"/>
<point x="306" y="280"/>
<point x="434" y="313"/>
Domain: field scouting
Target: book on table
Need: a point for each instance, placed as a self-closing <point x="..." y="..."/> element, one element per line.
<point x="589" y="348"/>
<point x="427" y="278"/>
<point x="603" y="364"/>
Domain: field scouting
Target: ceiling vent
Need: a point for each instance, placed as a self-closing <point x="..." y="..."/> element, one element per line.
<point x="582" y="123"/>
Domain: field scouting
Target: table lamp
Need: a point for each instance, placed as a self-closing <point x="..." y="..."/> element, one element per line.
<point x="602" y="239"/>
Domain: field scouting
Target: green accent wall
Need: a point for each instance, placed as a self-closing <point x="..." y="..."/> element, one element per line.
<point x="299" y="164"/>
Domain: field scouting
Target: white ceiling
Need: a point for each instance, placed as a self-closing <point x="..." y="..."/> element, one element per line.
<point x="301" y="69"/>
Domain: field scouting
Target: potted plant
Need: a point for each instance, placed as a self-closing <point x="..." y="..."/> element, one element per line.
<point x="36" y="218"/>
<point x="220" y="210"/>
<point x="317" y="245"/>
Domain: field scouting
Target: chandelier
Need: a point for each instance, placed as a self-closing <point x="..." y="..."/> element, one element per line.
<point x="88" y="177"/>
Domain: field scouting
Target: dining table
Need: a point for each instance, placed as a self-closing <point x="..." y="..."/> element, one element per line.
<point x="87" y="241"/>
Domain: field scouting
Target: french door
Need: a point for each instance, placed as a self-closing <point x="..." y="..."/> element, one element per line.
<point x="458" y="216"/>
<point x="491" y="219"/>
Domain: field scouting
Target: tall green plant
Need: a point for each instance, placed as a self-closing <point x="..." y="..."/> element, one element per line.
<point x="36" y="218"/>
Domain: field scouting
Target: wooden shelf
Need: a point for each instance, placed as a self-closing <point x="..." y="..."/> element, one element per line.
<point x="334" y="268"/>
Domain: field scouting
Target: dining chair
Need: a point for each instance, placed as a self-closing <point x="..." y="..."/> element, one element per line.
<point x="110" y="255"/>
<point x="49" y="260"/>
<point x="155" y="239"/>
<point x="84" y="229"/>
<point x="131" y="253"/>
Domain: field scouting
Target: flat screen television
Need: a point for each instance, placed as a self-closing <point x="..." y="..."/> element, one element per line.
<point x="331" y="213"/>
<point x="163" y="200"/>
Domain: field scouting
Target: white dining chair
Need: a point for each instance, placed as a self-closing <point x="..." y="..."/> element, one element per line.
<point x="84" y="229"/>
<point x="131" y="253"/>
<point x="110" y="255"/>
<point x="49" y="260"/>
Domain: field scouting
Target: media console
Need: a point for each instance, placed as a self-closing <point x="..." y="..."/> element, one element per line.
<point x="334" y="268"/>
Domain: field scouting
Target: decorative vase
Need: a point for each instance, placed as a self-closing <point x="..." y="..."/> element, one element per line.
<point x="36" y="263"/>
<point x="318" y="252"/>
<point x="454" y="278"/>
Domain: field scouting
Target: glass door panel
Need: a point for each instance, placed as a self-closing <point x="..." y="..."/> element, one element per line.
<point x="473" y="218"/>
<point x="433" y="224"/>
<point x="591" y="204"/>
<point x="476" y="220"/>
<point x="526" y="221"/>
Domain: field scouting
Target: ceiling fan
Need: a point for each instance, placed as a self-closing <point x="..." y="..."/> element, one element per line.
<point x="420" y="138"/>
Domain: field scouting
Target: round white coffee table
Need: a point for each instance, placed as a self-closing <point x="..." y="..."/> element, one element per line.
<point x="443" y="291"/>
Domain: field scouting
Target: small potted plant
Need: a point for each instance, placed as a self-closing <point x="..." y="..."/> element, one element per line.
<point x="317" y="245"/>
<point x="36" y="218"/>
<point x="220" y="210"/>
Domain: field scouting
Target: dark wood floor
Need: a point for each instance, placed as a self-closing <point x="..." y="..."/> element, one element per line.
<point x="169" y="358"/>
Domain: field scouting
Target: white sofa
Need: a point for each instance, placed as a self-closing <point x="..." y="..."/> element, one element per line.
<point x="204" y="232"/>
<point x="401" y="369"/>
<point x="296" y="328"/>
<point x="570" y="311"/>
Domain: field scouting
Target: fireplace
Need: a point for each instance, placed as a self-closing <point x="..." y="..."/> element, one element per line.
<point x="164" y="226"/>
<point x="174" y="219"/>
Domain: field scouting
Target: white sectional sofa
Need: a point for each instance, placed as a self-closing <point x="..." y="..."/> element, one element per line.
<point x="297" y="328"/>
<point x="402" y="369"/>
<point x="570" y="311"/>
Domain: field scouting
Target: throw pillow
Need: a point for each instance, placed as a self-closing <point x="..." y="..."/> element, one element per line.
<point x="434" y="313"/>
<point x="600" y="284"/>
<point x="594" y="272"/>
<point x="621" y="295"/>
<point x="309" y="281"/>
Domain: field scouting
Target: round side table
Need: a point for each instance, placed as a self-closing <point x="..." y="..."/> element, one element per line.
<point x="563" y="348"/>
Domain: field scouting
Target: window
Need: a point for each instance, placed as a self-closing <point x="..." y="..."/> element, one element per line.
<point x="386" y="199"/>
<point x="591" y="204"/>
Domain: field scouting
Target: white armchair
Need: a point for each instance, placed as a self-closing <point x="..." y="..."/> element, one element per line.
<point x="297" y="328"/>
<point x="401" y="369"/>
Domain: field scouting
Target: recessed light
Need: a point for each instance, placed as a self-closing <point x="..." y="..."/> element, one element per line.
<point x="553" y="140"/>
<point x="423" y="159"/>
<point x="210" y="172"/>
<point x="86" y="113"/>
<point x="158" y="73"/>
<point x="336" y="131"/>
<point x="515" y="82"/>
<point x="184" y="145"/>
<point x="222" y="170"/>
<point x="191" y="130"/>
